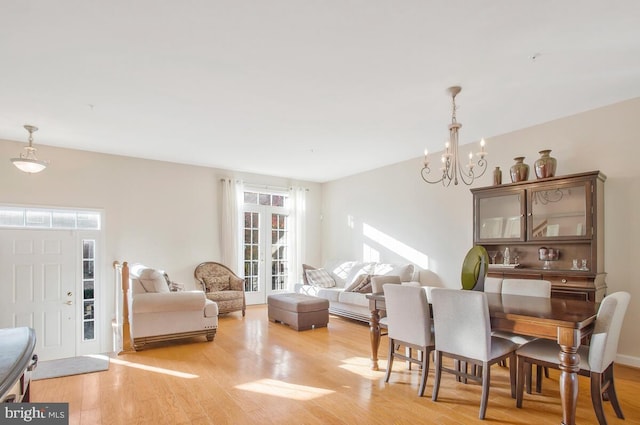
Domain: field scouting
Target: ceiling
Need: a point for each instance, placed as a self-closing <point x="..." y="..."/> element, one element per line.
<point x="307" y="89"/>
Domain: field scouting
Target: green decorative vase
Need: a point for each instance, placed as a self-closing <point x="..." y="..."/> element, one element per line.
<point x="519" y="170"/>
<point x="545" y="166"/>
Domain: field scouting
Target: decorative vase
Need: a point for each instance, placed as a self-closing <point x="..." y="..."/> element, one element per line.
<point x="497" y="176"/>
<point x="545" y="166"/>
<point x="519" y="170"/>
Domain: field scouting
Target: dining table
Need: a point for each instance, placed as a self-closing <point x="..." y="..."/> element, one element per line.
<point x="566" y="321"/>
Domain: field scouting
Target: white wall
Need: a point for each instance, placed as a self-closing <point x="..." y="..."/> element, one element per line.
<point x="161" y="214"/>
<point x="420" y="221"/>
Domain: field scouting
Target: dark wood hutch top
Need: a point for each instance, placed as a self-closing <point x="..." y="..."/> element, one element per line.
<point x="523" y="230"/>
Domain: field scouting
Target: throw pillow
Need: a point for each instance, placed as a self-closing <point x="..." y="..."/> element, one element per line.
<point x="153" y="281"/>
<point x="320" y="278"/>
<point x="357" y="282"/>
<point x="364" y="284"/>
<point x="306" y="267"/>
<point x="176" y="287"/>
<point x="216" y="283"/>
<point x="365" y="289"/>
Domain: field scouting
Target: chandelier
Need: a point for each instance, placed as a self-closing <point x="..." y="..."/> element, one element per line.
<point x="452" y="167"/>
<point x="28" y="161"/>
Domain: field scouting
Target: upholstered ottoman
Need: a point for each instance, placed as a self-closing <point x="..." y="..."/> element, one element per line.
<point x="299" y="311"/>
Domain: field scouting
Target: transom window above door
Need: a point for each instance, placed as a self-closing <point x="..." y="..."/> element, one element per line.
<point x="45" y="218"/>
<point x="267" y="199"/>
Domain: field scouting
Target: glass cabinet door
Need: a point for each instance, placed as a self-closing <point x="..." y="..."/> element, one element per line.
<point x="559" y="212"/>
<point x="499" y="216"/>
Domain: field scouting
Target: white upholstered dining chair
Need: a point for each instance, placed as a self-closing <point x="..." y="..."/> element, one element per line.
<point x="531" y="288"/>
<point x="463" y="332"/>
<point x="409" y="325"/>
<point x="596" y="359"/>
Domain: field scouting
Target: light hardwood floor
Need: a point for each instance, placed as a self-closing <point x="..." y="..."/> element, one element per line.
<point x="257" y="372"/>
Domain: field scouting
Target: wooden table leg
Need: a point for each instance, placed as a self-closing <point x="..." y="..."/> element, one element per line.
<point x="374" y="333"/>
<point x="569" y="340"/>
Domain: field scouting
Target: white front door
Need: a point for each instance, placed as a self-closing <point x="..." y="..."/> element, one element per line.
<point x="38" y="270"/>
<point x="265" y="246"/>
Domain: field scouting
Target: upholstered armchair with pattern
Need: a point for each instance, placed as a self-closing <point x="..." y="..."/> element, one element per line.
<point x="221" y="285"/>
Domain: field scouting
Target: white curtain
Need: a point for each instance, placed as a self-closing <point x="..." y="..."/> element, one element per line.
<point x="297" y="202"/>
<point x="232" y="197"/>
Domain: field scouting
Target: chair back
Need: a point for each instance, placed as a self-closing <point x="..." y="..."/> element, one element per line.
<point x="408" y="314"/>
<point x="493" y="285"/>
<point x="529" y="287"/>
<point x="378" y="281"/>
<point x="461" y="322"/>
<point x="216" y="277"/>
<point x="604" y="340"/>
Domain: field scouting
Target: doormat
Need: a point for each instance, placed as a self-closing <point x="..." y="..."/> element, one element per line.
<point x="71" y="366"/>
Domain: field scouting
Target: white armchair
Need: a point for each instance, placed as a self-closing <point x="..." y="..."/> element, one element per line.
<point x="157" y="314"/>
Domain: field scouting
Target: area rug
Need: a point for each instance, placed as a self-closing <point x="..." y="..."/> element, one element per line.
<point x="71" y="366"/>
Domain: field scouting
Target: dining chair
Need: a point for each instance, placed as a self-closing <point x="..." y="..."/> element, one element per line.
<point x="596" y="359"/>
<point x="463" y="333"/>
<point x="408" y="325"/>
<point x="530" y="288"/>
<point x="493" y="285"/>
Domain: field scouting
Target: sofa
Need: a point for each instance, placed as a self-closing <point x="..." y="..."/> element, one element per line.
<point x="345" y="284"/>
<point x="158" y="314"/>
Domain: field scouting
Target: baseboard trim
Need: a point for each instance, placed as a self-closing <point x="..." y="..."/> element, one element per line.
<point x="628" y="360"/>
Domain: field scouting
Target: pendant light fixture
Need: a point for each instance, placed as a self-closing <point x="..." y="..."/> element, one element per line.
<point x="453" y="170"/>
<point x="28" y="162"/>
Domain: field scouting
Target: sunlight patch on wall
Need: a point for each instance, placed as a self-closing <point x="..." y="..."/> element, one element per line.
<point x="392" y="244"/>
<point x="284" y="389"/>
<point x="153" y="369"/>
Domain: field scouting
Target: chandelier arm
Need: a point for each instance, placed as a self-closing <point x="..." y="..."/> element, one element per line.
<point x="425" y="171"/>
<point x="470" y="176"/>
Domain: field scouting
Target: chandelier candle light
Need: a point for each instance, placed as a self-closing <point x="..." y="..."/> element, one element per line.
<point x="28" y="162"/>
<point x="451" y="165"/>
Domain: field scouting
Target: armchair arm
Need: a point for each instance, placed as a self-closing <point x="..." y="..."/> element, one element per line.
<point x="236" y="283"/>
<point x="201" y="282"/>
<point x="168" y="301"/>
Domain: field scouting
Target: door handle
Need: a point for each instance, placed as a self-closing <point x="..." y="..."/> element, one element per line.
<point x="69" y="302"/>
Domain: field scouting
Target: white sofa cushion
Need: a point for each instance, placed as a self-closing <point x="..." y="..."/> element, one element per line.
<point x="404" y="271"/>
<point x="321" y="278"/>
<point x="330" y="294"/>
<point x="355" y="298"/>
<point x="153" y="281"/>
<point x="345" y="272"/>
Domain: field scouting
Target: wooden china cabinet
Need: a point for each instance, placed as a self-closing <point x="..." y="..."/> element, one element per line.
<point x="563" y="215"/>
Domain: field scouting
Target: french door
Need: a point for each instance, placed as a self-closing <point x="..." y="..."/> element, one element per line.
<point x="265" y="248"/>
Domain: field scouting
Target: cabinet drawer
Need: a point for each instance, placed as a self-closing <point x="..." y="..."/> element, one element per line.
<point x="572" y="287"/>
<point x="570" y="282"/>
<point x="572" y="295"/>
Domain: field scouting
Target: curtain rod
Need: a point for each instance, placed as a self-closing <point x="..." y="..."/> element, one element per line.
<point x="265" y="186"/>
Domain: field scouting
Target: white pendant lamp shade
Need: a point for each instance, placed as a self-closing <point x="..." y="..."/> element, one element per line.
<point x="28" y="162"/>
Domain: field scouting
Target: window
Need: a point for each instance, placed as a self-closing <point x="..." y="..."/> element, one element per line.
<point x="88" y="286"/>
<point x="43" y="218"/>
